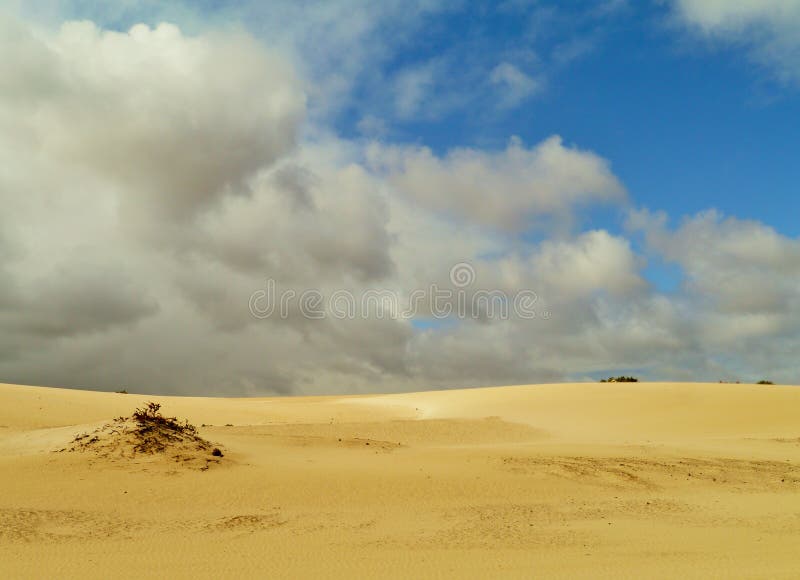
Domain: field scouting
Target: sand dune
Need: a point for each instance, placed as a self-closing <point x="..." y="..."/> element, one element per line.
<point x="573" y="480"/>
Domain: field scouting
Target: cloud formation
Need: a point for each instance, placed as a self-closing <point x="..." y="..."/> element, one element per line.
<point x="507" y="190"/>
<point x="180" y="121"/>
<point x="770" y="28"/>
<point x="515" y="86"/>
<point x="153" y="179"/>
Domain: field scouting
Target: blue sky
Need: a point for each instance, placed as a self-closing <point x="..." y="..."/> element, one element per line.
<point x="631" y="162"/>
<point x="685" y="126"/>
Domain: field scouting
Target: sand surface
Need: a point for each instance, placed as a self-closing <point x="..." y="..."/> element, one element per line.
<point x="574" y="480"/>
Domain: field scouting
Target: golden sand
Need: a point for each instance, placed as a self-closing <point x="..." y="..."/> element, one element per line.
<point x="574" y="480"/>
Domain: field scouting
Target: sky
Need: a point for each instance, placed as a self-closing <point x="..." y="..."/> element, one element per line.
<point x="624" y="172"/>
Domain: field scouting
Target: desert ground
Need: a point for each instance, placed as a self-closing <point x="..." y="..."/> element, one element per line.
<point x="569" y="480"/>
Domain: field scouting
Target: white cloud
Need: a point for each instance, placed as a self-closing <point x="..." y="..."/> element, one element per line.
<point x="372" y="127"/>
<point x="412" y="88"/>
<point x="738" y="268"/>
<point x="771" y="28"/>
<point x="740" y="297"/>
<point x="514" y="85"/>
<point x="339" y="47"/>
<point x="593" y="261"/>
<point x="178" y="120"/>
<point x="507" y="189"/>
<point x="366" y="56"/>
<point x="722" y="14"/>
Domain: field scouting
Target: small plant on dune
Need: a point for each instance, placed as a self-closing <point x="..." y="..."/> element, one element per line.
<point x="150" y="418"/>
<point x="146" y="431"/>
<point x="150" y="412"/>
<point x="620" y="379"/>
<point x="765" y="382"/>
<point x="155" y="433"/>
